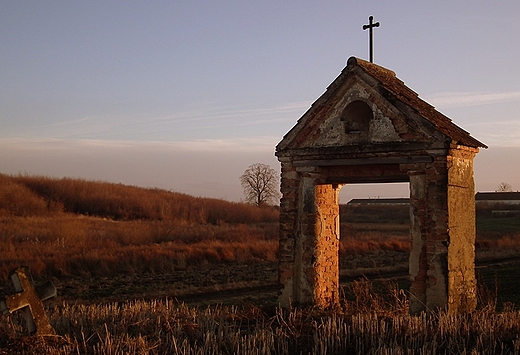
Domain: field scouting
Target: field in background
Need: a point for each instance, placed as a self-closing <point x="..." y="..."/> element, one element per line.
<point x="71" y="227"/>
<point x="97" y="239"/>
<point x="498" y="236"/>
<point x="125" y="259"/>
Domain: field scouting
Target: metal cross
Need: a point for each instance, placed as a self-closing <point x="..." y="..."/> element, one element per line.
<point x="371" y="36"/>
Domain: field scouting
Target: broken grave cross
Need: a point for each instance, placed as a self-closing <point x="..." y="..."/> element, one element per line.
<point x="29" y="298"/>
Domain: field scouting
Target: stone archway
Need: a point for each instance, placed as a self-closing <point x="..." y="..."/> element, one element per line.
<point x="369" y="127"/>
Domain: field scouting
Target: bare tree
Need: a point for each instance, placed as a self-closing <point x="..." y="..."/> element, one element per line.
<point x="260" y="184"/>
<point x="504" y="187"/>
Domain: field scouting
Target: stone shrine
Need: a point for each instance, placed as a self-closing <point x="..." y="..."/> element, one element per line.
<point x="368" y="127"/>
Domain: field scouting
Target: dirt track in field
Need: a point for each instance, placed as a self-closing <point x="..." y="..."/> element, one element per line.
<point x="226" y="283"/>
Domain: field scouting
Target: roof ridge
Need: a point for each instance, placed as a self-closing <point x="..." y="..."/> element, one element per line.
<point x="397" y="87"/>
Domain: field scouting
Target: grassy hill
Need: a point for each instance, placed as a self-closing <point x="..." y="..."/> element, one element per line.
<point x="73" y="227"/>
<point x="40" y="196"/>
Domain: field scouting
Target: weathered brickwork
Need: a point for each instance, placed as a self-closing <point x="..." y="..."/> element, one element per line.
<point x="369" y="127"/>
<point x="418" y="258"/>
<point x="288" y="230"/>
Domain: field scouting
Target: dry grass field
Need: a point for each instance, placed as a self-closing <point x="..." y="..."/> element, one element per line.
<point x="370" y="325"/>
<point x="147" y="271"/>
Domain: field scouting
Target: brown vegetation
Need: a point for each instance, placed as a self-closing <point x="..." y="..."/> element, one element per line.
<point x="369" y="228"/>
<point x="72" y="227"/>
<point x="96" y="232"/>
<point x="120" y="202"/>
<point x="369" y="324"/>
<point x="66" y="227"/>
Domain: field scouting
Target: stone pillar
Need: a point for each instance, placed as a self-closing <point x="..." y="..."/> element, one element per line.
<point x="418" y="262"/>
<point x="326" y="264"/>
<point x="305" y="244"/>
<point x="430" y="238"/>
<point x="442" y="211"/>
<point x="437" y="237"/>
<point x="290" y="185"/>
<point x="462" y="284"/>
<point x="309" y="240"/>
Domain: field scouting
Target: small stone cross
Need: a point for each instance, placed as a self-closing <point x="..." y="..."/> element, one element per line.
<point x="29" y="298"/>
<point x="371" y="36"/>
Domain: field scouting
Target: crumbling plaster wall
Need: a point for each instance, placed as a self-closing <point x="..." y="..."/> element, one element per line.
<point x="442" y="230"/>
<point x="386" y="125"/>
<point x="442" y="212"/>
<point x="326" y="262"/>
<point x="462" y="285"/>
<point x="287" y="263"/>
<point x="309" y="240"/>
<point x="429" y="232"/>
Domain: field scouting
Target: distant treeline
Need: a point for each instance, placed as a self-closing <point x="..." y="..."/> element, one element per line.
<point x="24" y="195"/>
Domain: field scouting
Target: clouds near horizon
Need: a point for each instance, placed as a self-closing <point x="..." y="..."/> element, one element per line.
<point x="468" y="99"/>
<point x="209" y="168"/>
<point x="200" y="168"/>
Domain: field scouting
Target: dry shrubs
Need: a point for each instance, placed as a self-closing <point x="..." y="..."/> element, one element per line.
<point x="121" y="202"/>
<point x="366" y="300"/>
<point x="68" y="245"/>
<point x="374" y="241"/>
<point x="61" y="227"/>
<point x="18" y="200"/>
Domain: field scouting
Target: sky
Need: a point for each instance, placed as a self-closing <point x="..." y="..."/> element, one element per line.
<point x="185" y="95"/>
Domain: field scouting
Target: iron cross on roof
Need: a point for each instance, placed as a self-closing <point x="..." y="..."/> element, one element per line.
<point x="371" y="36"/>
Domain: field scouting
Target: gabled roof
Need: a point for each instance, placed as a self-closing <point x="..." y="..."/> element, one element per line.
<point x="390" y="82"/>
<point x="386" y="80"/>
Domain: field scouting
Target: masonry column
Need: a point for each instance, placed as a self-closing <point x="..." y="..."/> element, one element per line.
<point x="437" y="238"/>
<point x="462" y="284"/>
<point x="326" y="264"/>
<point x="418" y="262"/>
<point x="305" y="243"/>
<point x="430" y="238"/>
<point x="290" y="187"/>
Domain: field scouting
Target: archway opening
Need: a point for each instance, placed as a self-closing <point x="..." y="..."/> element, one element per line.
<point x="374" y="231"/>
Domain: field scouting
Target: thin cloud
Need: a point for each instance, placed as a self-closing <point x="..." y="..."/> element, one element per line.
<point x="497" y="133"/>
<point x="467" y="99"/>
<point x="253" y="144"/>
<point x="217" y="113"/>
<point x="87" y="119"/>
<point x="146" y="126"/>
<point x="84" y="126"/>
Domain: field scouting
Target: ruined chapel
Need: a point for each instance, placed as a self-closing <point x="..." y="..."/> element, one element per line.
<point x="368" y="127"/>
